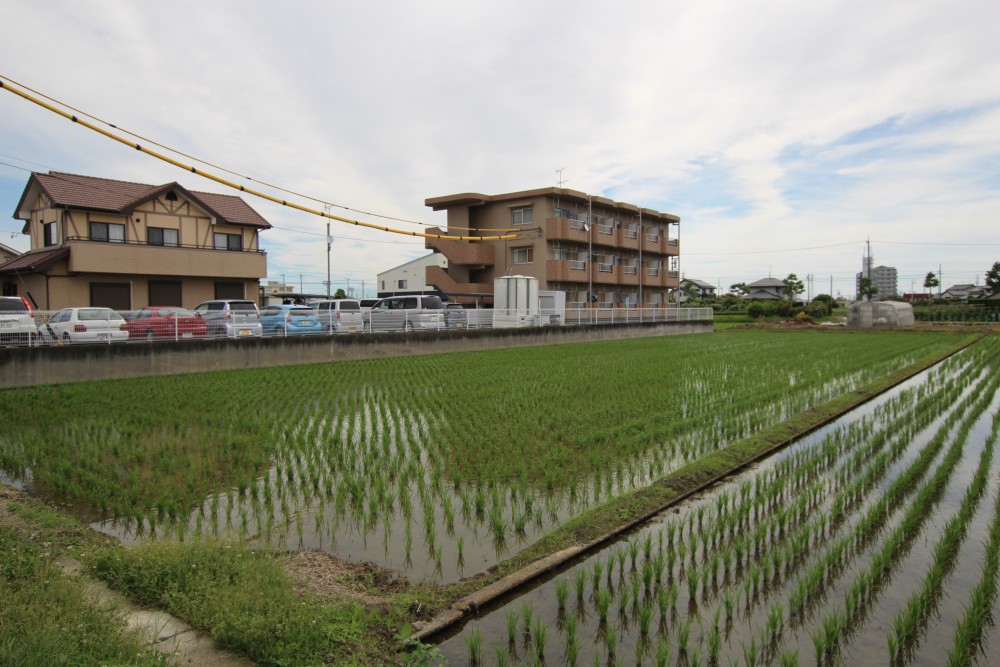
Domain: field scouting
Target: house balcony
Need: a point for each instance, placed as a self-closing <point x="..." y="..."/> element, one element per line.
<point x="140" y="259"/>
<point x="565" y="270"/>
<point x="629" y="275"/>
<point x="461" y="253"/>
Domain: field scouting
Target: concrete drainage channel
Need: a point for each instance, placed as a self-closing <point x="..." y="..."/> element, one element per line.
<point x="165" y="633"/>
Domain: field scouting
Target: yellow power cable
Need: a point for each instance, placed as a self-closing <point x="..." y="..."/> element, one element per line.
<point x="237" y="186"/>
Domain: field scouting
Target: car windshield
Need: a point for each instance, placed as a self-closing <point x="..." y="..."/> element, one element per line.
<point x="12" y="306"/>
<point x="433" y="303"/>
<point x="242" y="305"/>
<point x="350" y="305"/>
<point x="174" y="312"/>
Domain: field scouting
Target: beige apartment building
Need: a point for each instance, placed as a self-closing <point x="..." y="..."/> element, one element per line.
<point x="600" y="252"/>
<point x="103" y="242"/>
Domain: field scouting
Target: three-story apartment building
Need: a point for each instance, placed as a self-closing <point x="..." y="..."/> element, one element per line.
<point x="600" y="252"/>
<point x="123" y="245"/>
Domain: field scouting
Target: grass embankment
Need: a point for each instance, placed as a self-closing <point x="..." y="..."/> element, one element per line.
<point x="246" y="599"/>
<point x="46" y="617"/>
<point x="622" y="512"/>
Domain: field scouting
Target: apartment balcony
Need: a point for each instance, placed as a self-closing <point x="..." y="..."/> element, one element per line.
<point x="565" y="270"/>
<point x="628" y="239"/>
<point x="140" y="259"/>
<point x="629" y="275"/>
<point x="461" y="253"/>
<point x="564" y="229"/>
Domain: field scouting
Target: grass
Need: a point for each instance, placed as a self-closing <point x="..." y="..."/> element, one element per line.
<point x="45" y="615"/>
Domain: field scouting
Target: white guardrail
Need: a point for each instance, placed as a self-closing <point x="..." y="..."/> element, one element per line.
<point x="103" y="326"/>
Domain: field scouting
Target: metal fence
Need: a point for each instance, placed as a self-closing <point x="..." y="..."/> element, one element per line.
<point x="104" y="326"/>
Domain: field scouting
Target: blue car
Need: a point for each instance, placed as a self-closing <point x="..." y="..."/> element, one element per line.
<point x="289" y="320"/>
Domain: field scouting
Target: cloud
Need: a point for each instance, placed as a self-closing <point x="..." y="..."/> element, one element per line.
<point x="767" y="126"/>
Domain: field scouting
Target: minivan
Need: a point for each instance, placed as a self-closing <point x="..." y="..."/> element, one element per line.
<point x="340" y="315"/>
<point x="407" y="313"/>
<point x="230" y="318"/>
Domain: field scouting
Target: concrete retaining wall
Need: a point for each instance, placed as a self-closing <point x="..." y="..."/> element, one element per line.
<point x="26" y="367"/>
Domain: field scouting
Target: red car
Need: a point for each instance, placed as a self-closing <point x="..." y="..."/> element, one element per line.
<point x="164" y="323"/>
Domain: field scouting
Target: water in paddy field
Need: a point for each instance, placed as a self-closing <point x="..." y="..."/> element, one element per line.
<point x="763" y="567"/>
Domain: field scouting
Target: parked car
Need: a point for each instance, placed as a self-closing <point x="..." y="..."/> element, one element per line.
<point x="340" y="315"/>
<point x="289" y="319"/>
<point x="407" y="313"/>
<point x="84" y="325"/>
<point x="17" y="322"/>
<point x="230" y="318"/>
<point x="164" y="323"/>
<point x="455" y="316"/>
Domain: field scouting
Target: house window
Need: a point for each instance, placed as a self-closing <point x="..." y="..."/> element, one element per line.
<point x="161" y="236"/>
<point x="520" y="216"/>
<point x="49" y="234"/>
<point x="107" y="232"/>
<point x="401" y="284"/>
<point x="522" y="255"/>
<point x="228" y="241"/>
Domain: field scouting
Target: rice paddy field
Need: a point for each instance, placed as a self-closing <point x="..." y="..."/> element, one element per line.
<point x="873" y="541"/>
<point x="436" y="466"/>
<point x="869" y="542"/>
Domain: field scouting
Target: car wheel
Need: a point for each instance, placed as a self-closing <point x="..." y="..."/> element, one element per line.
<point x="66" y="339"/>
<point x="149" y="335"/>
<point x="408" y="327"/>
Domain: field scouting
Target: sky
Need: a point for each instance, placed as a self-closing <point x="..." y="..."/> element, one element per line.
<point x="786" y="135"/>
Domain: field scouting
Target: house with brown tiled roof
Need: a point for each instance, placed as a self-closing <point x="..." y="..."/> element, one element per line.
<point x="122" y="245"/>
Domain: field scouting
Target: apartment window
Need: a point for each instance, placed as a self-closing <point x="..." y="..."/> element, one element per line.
<point x="565" y="213"/>
<point x="560" y="253"/>
<point x="49" y="234"/>
<point x="107" y="232"/>
<point x="401" y="284"/>
<point x="228" y="241"/>
<point x="520" y="216"/>
<point x="522" y="255"/>
<point x="161" y="236"/>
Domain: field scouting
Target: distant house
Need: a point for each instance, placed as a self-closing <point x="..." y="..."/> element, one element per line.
<point x="410" y="278"/>
<point x="701" y="289"/>
<point x="767" y="289"/>
<point x="965" y="291"/>
<point x="7" y="253"/>
<point x="122" y="245"/>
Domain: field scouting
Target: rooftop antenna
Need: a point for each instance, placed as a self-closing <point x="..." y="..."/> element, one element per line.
<point x="559" y="180"/>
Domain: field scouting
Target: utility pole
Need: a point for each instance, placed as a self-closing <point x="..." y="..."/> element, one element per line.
<point x="329" y="244"/>
<point x="590" y="251"/>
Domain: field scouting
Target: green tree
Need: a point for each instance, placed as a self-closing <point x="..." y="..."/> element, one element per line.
<point x="690" y="291"/>
<point x="993" y="277"/>
<point x="931" y="281"/>
<point x="793" y="286"/>
<point x="867" y="289"/>
<point x="340" y="293"/>
<point x="741" y="289"/>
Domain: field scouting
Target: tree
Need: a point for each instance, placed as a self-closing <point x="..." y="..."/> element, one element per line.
<point x="867" y="289"/>
<point x="340" y="293"/>
<point x="690" y="292"/>
<point x="931" y="281"/>
<point x="993" y="277"/>
<point x="793" y="286"/>
<point x="741" y="289"/>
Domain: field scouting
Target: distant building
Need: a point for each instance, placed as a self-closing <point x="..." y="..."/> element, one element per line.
<point x="411" y="277"/>
<point x="767" y="289"/>
<point x="6" y="253"/>
<point x="598" y="252"/>
<point x="702" y="289"/>
<point x="965" y="291"/>
<point x="883" y="278"/>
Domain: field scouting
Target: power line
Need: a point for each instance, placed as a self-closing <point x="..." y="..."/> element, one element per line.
<point x="235" y="186"/>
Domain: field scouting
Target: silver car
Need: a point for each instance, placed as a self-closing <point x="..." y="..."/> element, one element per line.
<point x="340" y="315"/>
<point x="416" y="312"/>
<point x="230" y="318"/>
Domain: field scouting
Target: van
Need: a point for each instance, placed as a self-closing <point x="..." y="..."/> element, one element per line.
<point x="414" y="312"/>
<point x="340" y="315"/>
<point x="230" y="318"/>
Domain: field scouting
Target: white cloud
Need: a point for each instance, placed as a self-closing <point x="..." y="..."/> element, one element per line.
<point x="764" y="125"/>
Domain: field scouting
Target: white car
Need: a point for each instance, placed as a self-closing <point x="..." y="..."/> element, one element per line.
<point x="84" y="325"/>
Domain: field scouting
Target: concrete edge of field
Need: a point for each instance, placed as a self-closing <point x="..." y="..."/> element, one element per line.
<point x="27" y="367"/>
<point x="470" y="604"/>
<point x="165" y="633"/>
